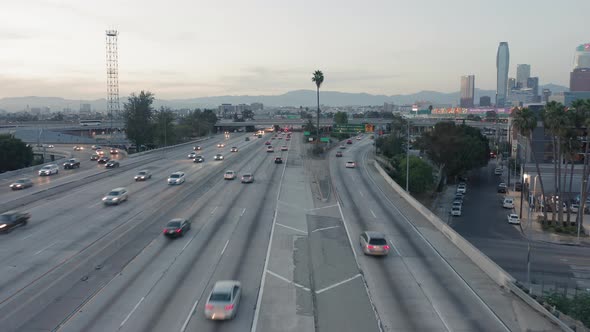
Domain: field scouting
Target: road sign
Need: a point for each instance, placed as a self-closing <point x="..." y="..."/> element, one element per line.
<point x="325" y="139"/>
<point x="306" y="133"/>
<point x="349" y="128"/>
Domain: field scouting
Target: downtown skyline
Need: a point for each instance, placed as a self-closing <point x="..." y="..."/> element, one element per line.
<point x="196" y="49"/>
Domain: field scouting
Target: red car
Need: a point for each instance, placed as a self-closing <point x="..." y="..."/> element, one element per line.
<point x="267" y="143"/>
<point x="349" y="141"/>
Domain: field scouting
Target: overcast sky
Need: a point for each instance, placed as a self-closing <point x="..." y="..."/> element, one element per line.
<point x="194" y="48"/>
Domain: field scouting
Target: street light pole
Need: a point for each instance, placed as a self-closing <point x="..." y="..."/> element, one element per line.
<point x="408" y="160"/>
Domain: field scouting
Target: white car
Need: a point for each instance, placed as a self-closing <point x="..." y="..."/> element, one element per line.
<point x="229" y="175"/>
<point x="176" y="178"/>
<point x="456" y="211"/>
<point x="462" y="189"/>
<point x="508" y="203"/>
<point x="270" y="149"/>
<point x="513" y="219"/>
<point x="284" y="148"/>
<point x="234" y="149"/>
<point x="116" y="196"/>
<point x="350" y="164"/>
<point x="192" y="155"/>
<point x="498" y="171"/>
<point x="223" y="300"/>
<point x="218" y="156"/>
<point x="575" y="208"/>
<point x="49" y="170"/>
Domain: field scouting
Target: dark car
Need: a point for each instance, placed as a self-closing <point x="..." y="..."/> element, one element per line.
<point x="196" y="148"/>
<point x="339" y="154"/>
<point x="177" y="227"/>
<point x="12" y="219"/>
<point x="112" y="164"/>
<point x="518" y="186"/>
<point x="94" y="157"/>
<point x="278" y="160"/>
<point x="247" y="139"/>
<point x="72" y="163"/>
<point x="21" y="184"/>
<point x="267" y="143"/>
<point x="199" y="159"/>
<point x="114" y="151"/>
<point x="103" y="160"/>
<point x="349" y="141"/>
<point x="502" y="188"/>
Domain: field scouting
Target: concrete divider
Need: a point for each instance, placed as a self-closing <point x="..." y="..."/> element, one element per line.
<point x="491" y="269"/>
<point x="134" y="155"/>
<point x="16" y="172"/>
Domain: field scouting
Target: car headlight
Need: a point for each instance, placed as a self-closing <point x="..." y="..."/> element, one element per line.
<point x="2" y="226"/>
<point x="115" y="199"/>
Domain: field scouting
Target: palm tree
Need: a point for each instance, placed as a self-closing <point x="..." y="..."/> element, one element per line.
<point x="318" y="78"/>
<point x="525" y="122"/>
<point x="583" y="109"/>
<point x="555" y="120"/>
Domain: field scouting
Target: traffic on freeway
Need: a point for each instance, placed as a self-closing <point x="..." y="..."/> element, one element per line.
<point x="164" y="243"/>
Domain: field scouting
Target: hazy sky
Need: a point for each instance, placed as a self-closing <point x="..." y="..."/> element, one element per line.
<point x="193" y="48"/>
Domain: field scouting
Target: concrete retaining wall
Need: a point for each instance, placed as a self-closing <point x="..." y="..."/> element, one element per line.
<point x="491" y="269"/>
<point x="135" y="155"/>
<point x="32" y="169"/>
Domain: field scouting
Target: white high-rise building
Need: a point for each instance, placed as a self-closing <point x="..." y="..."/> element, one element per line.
<point x="523" y="72"/>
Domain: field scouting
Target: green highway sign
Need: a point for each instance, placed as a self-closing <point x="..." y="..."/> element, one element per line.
<point x="306" y="133"/>
<point x="325" y="139"/>
<point x="349" y="128"/>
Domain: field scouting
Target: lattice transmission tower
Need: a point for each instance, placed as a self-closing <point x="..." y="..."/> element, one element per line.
<point x="112" y="75"/>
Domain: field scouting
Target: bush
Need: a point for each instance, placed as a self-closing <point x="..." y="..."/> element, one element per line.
<point x="577" y="307"/>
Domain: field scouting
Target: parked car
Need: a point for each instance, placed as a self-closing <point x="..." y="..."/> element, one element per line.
<point x="72" y="163"/>
<point x="49" y="170"/>
<point x="498" y="171"/>
<point x="21" y="184"/>
<point x="462" y="189"/>
<point x="223" y="300"/>
<point x="508" y="203"/>
<point x="12" y="219"/>
<point x="456" y="211"/>
<point x="518" y="186"/>
<point x="502" y="188"/>
<point x="513" y="219"/>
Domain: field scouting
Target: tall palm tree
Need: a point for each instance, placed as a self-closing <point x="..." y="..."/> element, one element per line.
<point x="555" y="120"/>
<point x="318" y="78"/>
<point x="583" y="109"/>
<point x="525" y="122"/>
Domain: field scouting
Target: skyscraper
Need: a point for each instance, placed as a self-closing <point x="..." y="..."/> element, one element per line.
<point x="523" y="72"/>
<point x="502" y="63"/>
<point x="511" y="84"/>
<point x="467" y="90"/>
<point x="580" y="80"/>
<point x="582" y="56"/>
<point x="533" y="84"/>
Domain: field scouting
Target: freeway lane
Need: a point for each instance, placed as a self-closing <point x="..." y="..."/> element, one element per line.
<point x="414" y="288"/>
<point x="73" y="233"/>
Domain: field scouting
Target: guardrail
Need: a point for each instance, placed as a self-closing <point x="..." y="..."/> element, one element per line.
<point x="489" y="267"/>
<point x="143" y="153"/>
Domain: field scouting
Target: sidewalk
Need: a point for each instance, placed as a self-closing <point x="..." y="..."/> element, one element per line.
<point x="534" y="230"/>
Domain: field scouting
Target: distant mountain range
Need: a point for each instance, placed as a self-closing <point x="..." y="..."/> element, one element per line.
<point x="292" y="98"/>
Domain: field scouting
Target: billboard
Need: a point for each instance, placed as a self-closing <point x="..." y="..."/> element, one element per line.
<point x="467" y="111"/>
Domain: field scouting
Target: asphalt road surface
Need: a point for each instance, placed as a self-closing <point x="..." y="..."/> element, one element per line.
<point x="483" y="223"/>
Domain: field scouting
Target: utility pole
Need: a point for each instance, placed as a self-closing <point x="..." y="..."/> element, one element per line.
<point x="408" y="159"/>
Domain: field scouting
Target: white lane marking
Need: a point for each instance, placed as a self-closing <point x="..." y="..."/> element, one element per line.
<point x="431" y="246"/>
<point x="373" y="213"/>
<point x="42" y="250"/>
<point x="131" y="313"/>
<point x="272" y="231"/>
<point x="337" y="284"/>
<point x="243" y="211"/>
<point x="28" y="236"/>
<point x="396" y="251"/>
<point x="323" y="207"/>
<point x="324" y="228"/>
<point x="188" y="318"/>
<point x="95" y="204"/>
<point x="187" y="243"/>
<point x="291" y="228"/>
<point x="225" y="246"/>
<point x="360" y="192"/>
<point x="287" y="280"/>
<point x="215" y="209"/>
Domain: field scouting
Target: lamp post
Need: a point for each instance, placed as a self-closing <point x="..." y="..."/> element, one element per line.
<point x="408" y="159"/>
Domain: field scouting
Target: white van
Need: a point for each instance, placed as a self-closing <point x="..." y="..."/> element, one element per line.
<point x="508" y="203"/>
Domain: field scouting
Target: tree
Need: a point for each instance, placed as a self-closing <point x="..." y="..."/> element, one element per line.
<point x="455" y="149"/>
<point x="421" y="178"/>
<point x="308" y="126"/>
<point x="341" y="118"/>
<point x="14" y="153"/>
<point x="491" y="115"/>
<point x="138" y="118"/>
<point x="164" y="130"/>
<point x="525" y="122"/>
<point x="582" y="107"/>
<point x="555" y="120"/>
<point x="391" y="145"/>
<point x="318" y="78"/>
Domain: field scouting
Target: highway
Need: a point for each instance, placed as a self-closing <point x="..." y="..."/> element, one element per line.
<point x="82" y="266"/>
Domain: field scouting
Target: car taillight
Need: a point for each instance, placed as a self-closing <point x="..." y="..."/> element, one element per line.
<point x="178" y="230"/>
<point x="229" y="307"/>
<point x="370" y="246"/>
<point x="386" y="247"/>
<point x="165" y="230"/>
<point x="209" y="307"/>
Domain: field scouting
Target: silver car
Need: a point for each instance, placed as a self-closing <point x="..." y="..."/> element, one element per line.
<point x="374" y="243"/>
<point x="143" y="175"/>
<point x="223" y="301"/>
<point x="116" y="196"/>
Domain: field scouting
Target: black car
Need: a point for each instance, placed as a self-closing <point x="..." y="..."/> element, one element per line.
<point x="199" y="159"/>
<point x="12" y="219"/>
<point x="72" y="163"/>
<point x="112" y="164"/>
<point x="94" y="157"/>
<point x="278" y="160"/>
<point x="196" y="148"/>
<point x="177" y="227"/>
<point x="103" y="160"/>
<point x="518" y="186"/>
<point x="502" y="188"/>
<point x="114" y="151"/>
